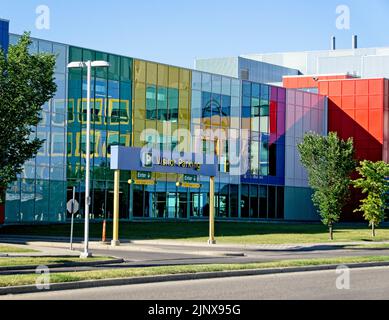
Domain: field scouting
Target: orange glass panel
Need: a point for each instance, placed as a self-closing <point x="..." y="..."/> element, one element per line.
<point x="362" y="87"/>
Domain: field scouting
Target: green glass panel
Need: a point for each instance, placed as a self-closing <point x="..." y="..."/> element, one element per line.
<point x="101" y="72"/>
<point x="125" y="69"/>
<point x="114" y="69"/>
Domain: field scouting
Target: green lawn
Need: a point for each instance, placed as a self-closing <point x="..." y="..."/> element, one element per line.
<point x="239" y="233"/>
<point x="17" y="280"/>
<point x="46" y="261"/>
<point x="13" y="249"/>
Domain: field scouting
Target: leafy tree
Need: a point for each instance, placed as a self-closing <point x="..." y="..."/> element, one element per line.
<point x="26" y="84"/>
<point x="373" y="183"/>
<point x="329" y="162"/>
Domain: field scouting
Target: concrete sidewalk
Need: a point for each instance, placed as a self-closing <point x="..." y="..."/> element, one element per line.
<point x="43" y="250"/>
<point x="61" y="246"/>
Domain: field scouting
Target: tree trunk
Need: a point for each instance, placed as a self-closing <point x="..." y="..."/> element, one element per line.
<point x="331" y="232"/>
<point x="373" y="230"/>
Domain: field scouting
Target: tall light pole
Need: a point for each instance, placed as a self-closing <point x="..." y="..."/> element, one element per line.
<point x="89" y="65"/>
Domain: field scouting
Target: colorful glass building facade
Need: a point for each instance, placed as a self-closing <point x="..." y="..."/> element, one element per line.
<point x="135" y="102"/>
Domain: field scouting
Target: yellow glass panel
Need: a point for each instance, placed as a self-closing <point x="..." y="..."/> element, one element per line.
<point x="152" y="72"/>
<point x="137" y="141"/>
<point x="171" y="177"/>
<point x="140" y="71"/>
<point x="140" y="101"/>
<point x="216" y="121"/>
<point x="184" y="79"/>
<point x="139" y="125"/>
<point x="160" y="177"/>
<point x="183" y="116"/>
<point x="174" y="127"/>
<point x="163" y="74"/>
<point x="225" y="122"/>
<point x="184" y="140"/>
<point x="160" y="126"/>
<point x="173" y="77"/>
<point x="151" y="124"/>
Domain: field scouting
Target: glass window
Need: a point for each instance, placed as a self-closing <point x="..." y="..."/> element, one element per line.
<point x="245" y="201"/>
<point x="60" y="52"/>
<point x="226" y="86"/>
<point x="45" y="46"/>
<point x="151" y="102"/>
<point x="125" y="69"/>
<point x="162" y="106"/>
<point x="196" y="80"/>
<point x="101" y="72"/>
<point x="173" y="77"/>
<point x="206" y="105"/>
<point x="163" y="74"/>
<point x="280" y="203"/>
<point x="263" y="202"/>
<point x="234" y="209"/>
<point x="273" y="160"/>
<point x="206" y="82"/>
<point x="264" y="156"/>
<point x="140" y="101"/>
<point x="173" y="104"/>
<point x="114" y="69"/>
<point x="255" y="114"/>
<point x="216" y="84"/>
<point x="152" y="72"/>
<point x="184" y="79"/>
<point x="196" y="106"/>
<point x="125" y="103"/>
<point x="254" y="159"/>
<point x="235" y="88"/>
<point x="272" y="202"/>
<point x="254" y="202"/>
<point x="246" y="89"/>
<point x="140" y="71"/>
<point x="256" y="90"/>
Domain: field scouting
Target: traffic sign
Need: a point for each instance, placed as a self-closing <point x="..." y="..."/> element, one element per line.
<point x="76" y="206"/>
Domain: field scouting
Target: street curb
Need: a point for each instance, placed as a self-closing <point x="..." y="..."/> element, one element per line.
<point x="180" y="277"/>
<point x="64" y="265"/>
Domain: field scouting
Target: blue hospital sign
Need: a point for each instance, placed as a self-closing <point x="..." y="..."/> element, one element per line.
<point x="136" y="159"/>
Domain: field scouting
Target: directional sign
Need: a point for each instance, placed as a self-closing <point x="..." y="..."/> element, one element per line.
<point x="143" y="175"/>
<point x="191" y="185"/>
<point x="144" y="182"/>
<point x="190" y="178"/>
<point x="141" y="182"/>
<point x="76" y="206"/>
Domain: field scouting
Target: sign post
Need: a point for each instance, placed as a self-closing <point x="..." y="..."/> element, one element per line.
<point x="115" y="241"/>
<point x="212" y="240"/>
<point x="73" y="208"/>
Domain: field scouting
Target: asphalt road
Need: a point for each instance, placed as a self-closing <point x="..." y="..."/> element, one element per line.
<point x="183" y="256"/>
<point x="366" y="284"/>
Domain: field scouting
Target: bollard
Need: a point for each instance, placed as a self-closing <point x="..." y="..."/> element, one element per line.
<point x="104" y="237"/>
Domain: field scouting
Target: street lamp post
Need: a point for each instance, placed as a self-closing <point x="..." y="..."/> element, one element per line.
<point x="89" y="65"/>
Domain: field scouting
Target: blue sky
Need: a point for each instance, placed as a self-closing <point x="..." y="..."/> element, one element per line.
<point x="178" y="31"/>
